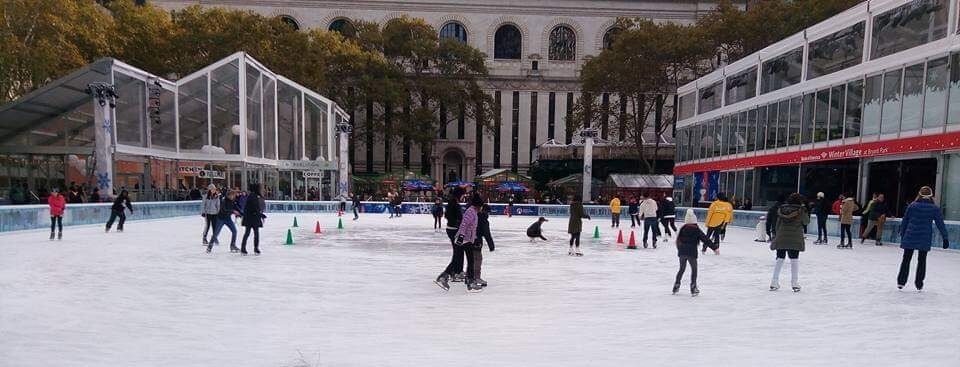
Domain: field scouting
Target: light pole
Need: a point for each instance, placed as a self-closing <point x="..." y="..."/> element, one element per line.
<point x="343" y="165"/>
<point x="588" y="134"/>
<point x="105" y="96"/>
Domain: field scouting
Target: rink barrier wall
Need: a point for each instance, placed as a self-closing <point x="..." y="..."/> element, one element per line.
<point x="25" y="217"/>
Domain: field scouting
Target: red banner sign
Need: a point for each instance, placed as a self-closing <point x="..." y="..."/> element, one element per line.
<point x="923" y="143"/>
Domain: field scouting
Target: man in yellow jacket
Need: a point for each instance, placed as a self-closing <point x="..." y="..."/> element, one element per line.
<point x="718" y="215"/>
<point x="615" y="211"/>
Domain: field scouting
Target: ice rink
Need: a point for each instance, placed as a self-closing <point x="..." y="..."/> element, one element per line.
<point x="364" y="296"/>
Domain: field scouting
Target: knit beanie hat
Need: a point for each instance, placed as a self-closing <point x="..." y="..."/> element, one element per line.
<point x="690" y="218"/>
<point x="926" y="192"/>
<point x="820" y="195"/>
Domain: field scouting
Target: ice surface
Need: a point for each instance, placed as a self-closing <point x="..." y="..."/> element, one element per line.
<point x="364" y="296"/>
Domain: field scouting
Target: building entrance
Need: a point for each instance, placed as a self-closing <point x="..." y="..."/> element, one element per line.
<point x="899" y="181"/>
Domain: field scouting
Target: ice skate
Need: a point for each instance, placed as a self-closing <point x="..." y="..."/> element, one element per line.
<point x="774" y="287"/>
<point x="205" y="241"/>
<point x="796" y="289"/>
<point x="458" y="277"/>
<point x="481" y="282"/>
<point x="208" y="249"/>
<point x="256" y="252"/>
<point x="654" y="244"/>
<point x="243" y="252"/>
<point x="51" y="236"/>
<point x="676" y="288"/>
<point x="694" y="291"/>
<point x="900" y="286"/>
<point x="570" y="252"/>
<point x="577" y="252"/>
<point x="644" y="244"/>
<point x="59" y="235"/>
<point x="234" y="249"/>
<point x="474" y="287"/>
<point x="441" y="282"/>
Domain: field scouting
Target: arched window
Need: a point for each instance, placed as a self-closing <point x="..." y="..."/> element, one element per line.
<point x="344" y="27"/>
<point x="454" y="30"/>
<point x="610" y="37"/>
<point x="507" y="42"/>
<point x="290" y="21"/>
<point x="563" y="44"/>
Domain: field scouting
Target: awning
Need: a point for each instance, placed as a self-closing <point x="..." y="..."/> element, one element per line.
<point x="637" y="181"/>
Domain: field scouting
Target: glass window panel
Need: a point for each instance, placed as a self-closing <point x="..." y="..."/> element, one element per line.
<point x="890" y="115"/>
<point x="872" y="93"/>
<point x="746" y="119"/>
<point x="563" y="44"/>
<point x="782" y="71"/>
<point x="741" y="86"/>
<point x="344" y="27"/>
<point x="910" y="25"/>
<point x="806" y="127"/>
<point x="854" y="107"/>
<point x="837" y="51"/>
<point x="836" y="113"/>
<point x="315" y="129"/>
<point x="131" y="112"/>
<point x="289" y="122"/>
<point x="254" y="131"/>
<point x="953" y="106"/>
<point x="748" y="185"/>
<point x="718" y="138"/>
<point x="610" y="37"/>
<point x="507" y="42"/>
<point x="793" y="138"/>
<point x="912" y="97"/>
<point x="935" y="93"/>
<point x="730" y="140"/>
<point x="758" y="130"/>
<point x="772" y="116"/>
<point x="783" y="119"/>
<point x="225" y="107"/>
<point x="687" y="105"/>
<point x="192" y="108"/>
<point x="454" y="31"/>
<point x="710" y="97"/>
<point x="163" y="132"/>
<point x="269" y="120"/>
<point x="821" y="110"/>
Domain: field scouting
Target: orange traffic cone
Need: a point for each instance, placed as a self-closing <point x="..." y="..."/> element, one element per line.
<point x="317" y="229"/>
<point x="633" y="242"/>
<point x="620" y="236"/>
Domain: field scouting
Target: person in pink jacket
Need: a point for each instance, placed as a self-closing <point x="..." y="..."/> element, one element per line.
<point x="58" y="203"/>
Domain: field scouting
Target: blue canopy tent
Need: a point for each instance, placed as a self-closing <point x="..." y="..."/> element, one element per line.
<point x="511" y="186"/>
<point x="459" y="184"/>
<point x="417" y="185"/>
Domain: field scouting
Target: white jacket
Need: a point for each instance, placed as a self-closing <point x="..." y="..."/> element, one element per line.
<point x="648" y="208"/>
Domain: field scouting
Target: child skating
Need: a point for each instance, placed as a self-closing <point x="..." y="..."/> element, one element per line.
<point x="689" y="238"/>
<point x="58" y="203"/>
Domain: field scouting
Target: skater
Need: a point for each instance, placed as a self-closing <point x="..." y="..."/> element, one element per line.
<point x="116" y="211"/>
<point x="772" y="218"/>
<point x="390" y="202"/>
<point x="789" y="242"/>
<point x="615" y="211"/>
<point x="454" y="214"/>
<point x="575" y="225"/>
<point x="835" y="209"/>
<point x="467" y="239"/>
<point x="535" y="231"/>
<point x="209" y="208"/>
<point x="397" y="204"/>
<point x="667" y="214"/>
<point x="510" y="206"/>
<point x="252" y="219"/>
<point x="355" y="203"/>
<point x="343" y="205"/>
<point x="648" y="211"/>
<point x="483" y="234"/>
<point x="437" y="212"/>
<point x="95" y="196"/>
<point x="916" y="234"/>
<point x="688" y="239"/>
<point x="847" y="209"/>
<point x="228" y="208"/>
<point x="822" y="208"/>
<point x="719" y="215"/>
<point x="57" y="204"/>
<point x="876" y="216"/>
<point x="761" y="229"/>
<point x="633" y="209"/>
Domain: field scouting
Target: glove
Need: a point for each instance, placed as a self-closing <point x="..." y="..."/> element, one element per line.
<point x="203" y="215"/>
<point x="946" y="243"/>
<point x="459" y="240"/>
<point x="491" y="247"/>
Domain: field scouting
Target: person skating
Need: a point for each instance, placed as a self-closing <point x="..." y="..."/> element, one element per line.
<point x="575" y="225"/>
<point x="117" y="210"/>
<point x="390" y="202"/>
<point x="343" y="204"/>
<point x="209" y="208"/>
<point x="535" y="230"/>
<point x="789" y="241"/>
<point x="648" y="212"/>
<point x="615" y="211"/>
<point x="57" y="203"/>
<point x="398" y="204"/>
<point x="454" y="214"/>
<point x="355" y="203"/>
<point x="483" y="235"/>
<point x="252" y="219"/>
<point x="771" y="218"/>
<point x="876" y="216"/>
<point x="689" y="238"/>
<point x="668" y="215"/>
<point x="95" y="196"/>
<point x="822" y="208"/>
<point x="228" y="208"/>
<point x="466" y="238"/>
<point x="916" y="234"/>
<point x="847" y="209"/>
<point x="633" y="209"/>
<point x="835" y="208"/>
<point x="719" y="215"/>
<point x="510" y="206"/>
<point x="437" y="212"/>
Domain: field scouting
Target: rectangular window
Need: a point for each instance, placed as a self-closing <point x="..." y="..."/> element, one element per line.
<point x="835" y="52"/>
<point x="782" y="134"/>
<point x="748" y="185"/>
<point x="728" y="139"/>
<point x="718" y="138"/>
<point x="710" y="97"/>
<point x="890" y="110"/>
<point x="478" y="139"/>
<point x="551" y="114"/>
<point x="533" y="122"/>
<point x="748" y="131"/>
<point x="854" y="107"/>
<point x="782" y="71"/>
<point x="462" y="123"/>
<point x="953" y="106"/>
<point x="758" y="136"/>
<point x="793" y="137"/>
<point x="737" y="136"/>
<point x="604" y="115"/>
<point x="806" y="126"/>
<point x="935" y="93"/>
<point x="908" y="26"/>
<point x="742" y="86"/>
<point x="771" y="137"/>
<point x="622" y="118"/>
<point x="443" y="121"/>
<point x="569" y="131"/>
<point x="515" y="132"/>
<point x="697" y="141"/>
<point x="912" y="98"/>
<point x="687" y="105"/>
<point x="497" y="113"/>
<point x="872" y="92"/>
<point x="821" y="109"/>
<point x="836" y="113"/>
<point x="193" y="115"/>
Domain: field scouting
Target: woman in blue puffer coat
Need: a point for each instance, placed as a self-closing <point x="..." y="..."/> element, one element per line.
<point x="916" y="234"/>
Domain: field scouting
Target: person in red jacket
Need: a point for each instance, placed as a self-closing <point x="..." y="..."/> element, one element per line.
<point x="57" y="204"/>
<point x="837" y="204"/>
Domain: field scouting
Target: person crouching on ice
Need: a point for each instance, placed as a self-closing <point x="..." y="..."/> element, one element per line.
<point x="688" y="239"/>
<point x="535" y="231"/>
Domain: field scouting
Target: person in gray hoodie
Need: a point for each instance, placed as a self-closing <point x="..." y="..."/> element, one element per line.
<point x="210" y="207"/>
<point x="789" y="242"/>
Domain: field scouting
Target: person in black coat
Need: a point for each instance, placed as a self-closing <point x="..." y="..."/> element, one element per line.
<point x="772" y="217"/>
<point x="822" y="208"/>
<point x="535" y="231"/>
<point x="667" y="212"/>
<point x="117" y="210"/>
<point x="355" y="203"/>
<point x="483" y="227"/>
<point x="252" y="219"/>
<point x="437" y="212"/>
<point x="454" y="214"/>
<point x="689" y="238"/>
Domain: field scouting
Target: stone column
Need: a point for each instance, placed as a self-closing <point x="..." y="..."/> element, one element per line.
<point x="104" y="99"/>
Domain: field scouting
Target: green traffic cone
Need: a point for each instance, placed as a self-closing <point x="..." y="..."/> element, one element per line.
<point x="596" y="231"/>
<point x="295" y="222"/>
<point x="340" y="223"/>
<point x="289" y="237"/>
